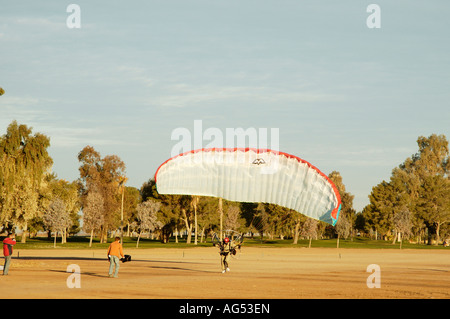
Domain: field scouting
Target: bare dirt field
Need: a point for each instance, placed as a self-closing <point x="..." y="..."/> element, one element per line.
<point x="259" y="273"/>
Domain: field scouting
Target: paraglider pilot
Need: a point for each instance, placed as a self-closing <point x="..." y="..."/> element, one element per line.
<point x="225" y="249"/>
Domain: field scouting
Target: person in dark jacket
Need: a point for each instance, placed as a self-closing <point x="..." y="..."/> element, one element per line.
<point x="225" y="249"/>
<point x="8" y="244"/>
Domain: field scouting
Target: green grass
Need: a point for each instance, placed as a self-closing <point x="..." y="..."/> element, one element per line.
<point x="130" y="242"/>
<point x="356" y="242"/>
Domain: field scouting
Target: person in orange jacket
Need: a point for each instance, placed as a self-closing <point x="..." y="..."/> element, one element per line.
<point x="8" y="244"/>
<point x="114" y="252"/>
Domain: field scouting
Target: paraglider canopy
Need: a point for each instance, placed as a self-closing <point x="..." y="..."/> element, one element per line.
<point x="252" y="175"/>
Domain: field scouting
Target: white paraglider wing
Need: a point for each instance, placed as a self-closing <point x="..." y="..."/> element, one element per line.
<point x="252" y="175"/>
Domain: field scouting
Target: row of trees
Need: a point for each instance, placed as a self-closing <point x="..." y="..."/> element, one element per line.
<point x="414" y="202"/>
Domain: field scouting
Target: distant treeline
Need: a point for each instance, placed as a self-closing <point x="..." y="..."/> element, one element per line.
<point x="414" y="204"/>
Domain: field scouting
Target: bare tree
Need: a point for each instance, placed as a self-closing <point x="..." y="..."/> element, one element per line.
<point x="93" y="213"/>
<point x="147" y="217"/>
<point x="403" y="223"/>
<point x="232" y="220"/>
<point x="57" y="217"/>
<point x="343" y="227"/>
<point x="309" y="229"/>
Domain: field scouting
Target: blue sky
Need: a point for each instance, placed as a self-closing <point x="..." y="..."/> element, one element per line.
<point x="344" y="97"/>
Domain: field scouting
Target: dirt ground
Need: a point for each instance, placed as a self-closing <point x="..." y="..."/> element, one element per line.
<point x="259" y="273"/>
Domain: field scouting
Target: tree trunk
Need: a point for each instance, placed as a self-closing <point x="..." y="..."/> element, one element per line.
<point x="221" y="219"/>
<point x="310" y="239"/>
<point x="54" y="242"/>
<point x="90" y="240"/>
<point x="296" y="232"/>
<point x="438" y="226"/>
<point x="189" y="234"/>
<point x="203" y="235"/>
<point x="165" y="234"/>
<point x="24" y="234"/>
<point x="139" y="237"/>
<point x="337" y="242"/>
<point x="429" y="242"/>
<point x="188" y="226"/>
<point x="195" y="221"/>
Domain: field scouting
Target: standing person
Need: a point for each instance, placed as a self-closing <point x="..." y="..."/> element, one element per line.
<point x="114" y="252"/>
<point x="225" y="249"/>
<point x="8" y="244"/>
<point x="228" y="247"/>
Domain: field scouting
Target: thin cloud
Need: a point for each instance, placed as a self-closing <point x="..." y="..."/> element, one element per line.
<point x="22" y="109"/>
<point x="183" y="95"/>
<point x="40" y="22"/>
